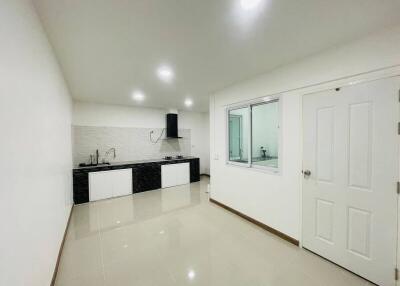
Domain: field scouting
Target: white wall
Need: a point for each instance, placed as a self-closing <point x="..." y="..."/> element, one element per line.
<point x="35" y="144"/>
<point x="275" y="199"/>
<point x="104" y="115"/>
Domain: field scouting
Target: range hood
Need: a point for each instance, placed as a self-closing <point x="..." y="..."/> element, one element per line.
<point x="172" y="125"/>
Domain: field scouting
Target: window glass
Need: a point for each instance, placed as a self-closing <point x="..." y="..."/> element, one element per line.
<point x="239" y="127"/>
<point x="265" y="134"/>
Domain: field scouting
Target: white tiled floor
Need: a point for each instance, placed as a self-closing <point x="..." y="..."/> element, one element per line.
<point x="176" y="237"/>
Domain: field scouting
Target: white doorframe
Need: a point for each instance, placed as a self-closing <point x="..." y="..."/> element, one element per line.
<point x="351" y="80"/>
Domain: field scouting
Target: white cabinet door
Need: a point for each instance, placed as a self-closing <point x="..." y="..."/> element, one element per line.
<point x="108" y="184"/>
<point x="122" y="183"/>
<point x="100" y="185"/>
<point x="182" y="174"/>
<point x="175" y="174"/>
<point x="349" y="193"/>
<point x="168" y="175"/>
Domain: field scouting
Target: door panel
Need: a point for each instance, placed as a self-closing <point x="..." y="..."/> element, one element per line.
<point x="360" y="143"/>
<point x="324" y="220"/>
<point x="350" y="145"/>
<point x="359" y="232"/>
<point x="325" y="143"/>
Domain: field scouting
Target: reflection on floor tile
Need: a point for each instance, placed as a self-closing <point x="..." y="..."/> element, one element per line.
<point x="175" y="236"/>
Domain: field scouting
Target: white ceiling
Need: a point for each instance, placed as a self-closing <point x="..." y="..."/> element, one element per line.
<point x="108" y="49"/>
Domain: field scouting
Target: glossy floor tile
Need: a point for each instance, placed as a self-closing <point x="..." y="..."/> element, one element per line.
<point x="175" y="236"/>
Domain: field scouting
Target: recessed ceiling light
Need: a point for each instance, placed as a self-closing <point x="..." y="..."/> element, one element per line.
<point x="249" y="4"/>
<point x="188" y="102"/>
<point x="165" y="73"/>
<point x="138" y="95"/>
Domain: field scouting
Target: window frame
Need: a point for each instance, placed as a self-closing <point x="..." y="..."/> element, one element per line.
<point x="241" y="131"/>
<point x="249" y="164"/>
<point x="242" y="164"/>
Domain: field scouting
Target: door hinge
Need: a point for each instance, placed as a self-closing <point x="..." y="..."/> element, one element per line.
<point x="396" y="274"/>
<point x="398" y="128"/>
<point x="398" y="188"/>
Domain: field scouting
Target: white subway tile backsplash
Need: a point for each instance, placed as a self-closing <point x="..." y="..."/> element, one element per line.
<point x="130" y="143"/>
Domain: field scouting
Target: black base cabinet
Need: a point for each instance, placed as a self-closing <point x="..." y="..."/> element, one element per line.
<point x="145" y="176"/>
<point x="81" y="187"/>
<point x="195" y="170"/>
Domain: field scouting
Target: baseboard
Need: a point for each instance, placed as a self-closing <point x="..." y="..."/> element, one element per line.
<point x="256" y="222"/>
<point x="53" y="280"/>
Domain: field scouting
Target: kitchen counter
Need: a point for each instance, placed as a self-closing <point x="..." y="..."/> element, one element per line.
<point x="123" y="163"/>
<point x="146" y="175"/>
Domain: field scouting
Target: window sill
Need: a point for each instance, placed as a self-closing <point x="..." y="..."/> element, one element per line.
<point x="261" y="169"/>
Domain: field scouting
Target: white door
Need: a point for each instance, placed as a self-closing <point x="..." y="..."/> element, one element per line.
<point x="350" y="147"/>
<point x="175" y="174"/>
<point x="182" y="174"/>
<point x="122" y="183"/>
<point x="100" y="185"/>
<point x="108" y="184"/>
<point x="168" y="175"/>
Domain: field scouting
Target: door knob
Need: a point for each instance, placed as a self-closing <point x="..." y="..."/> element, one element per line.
<point x="307" y="173"/>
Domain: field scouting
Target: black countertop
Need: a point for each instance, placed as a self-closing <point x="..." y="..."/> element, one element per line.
<point x="136" y="162"/>
<point x="146" y="175"/>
